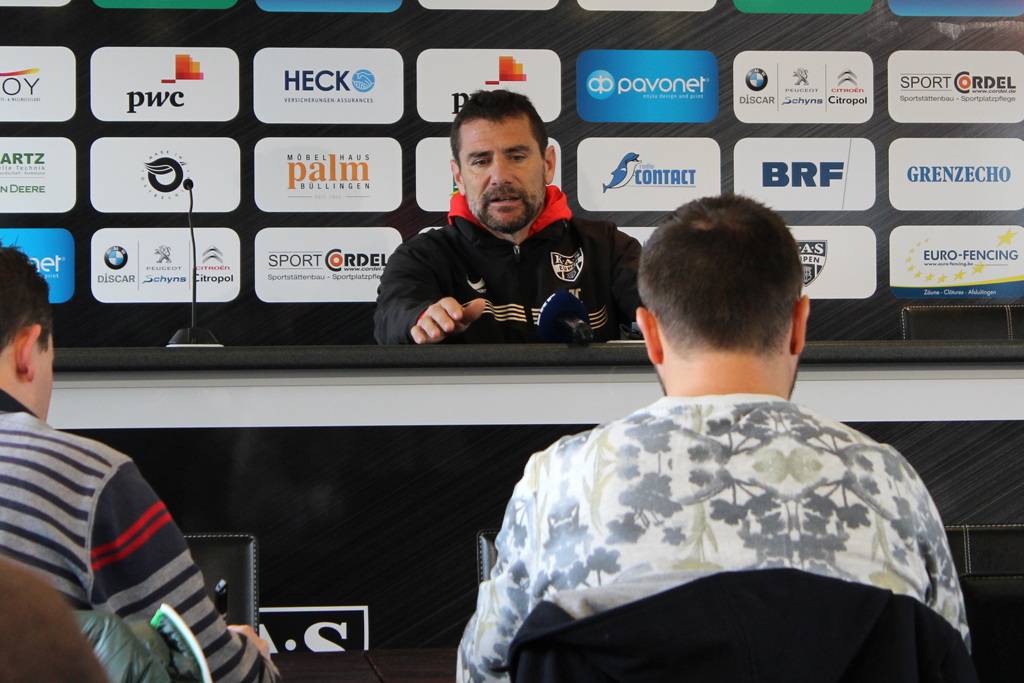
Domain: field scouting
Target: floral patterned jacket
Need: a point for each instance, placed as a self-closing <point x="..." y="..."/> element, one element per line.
<point x="692" y="486"/>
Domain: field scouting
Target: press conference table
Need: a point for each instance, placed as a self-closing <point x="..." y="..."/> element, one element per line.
<point x="373" y="666"/>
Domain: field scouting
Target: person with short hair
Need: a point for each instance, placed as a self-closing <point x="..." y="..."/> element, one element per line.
<point x="723" y="474"/>
<point x="510" y="243"/>
<point x="79" y="513"/>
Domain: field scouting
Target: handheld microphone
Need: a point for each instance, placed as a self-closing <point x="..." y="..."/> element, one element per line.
<point x="192" y="336"/>
<point x="564" y="319"/>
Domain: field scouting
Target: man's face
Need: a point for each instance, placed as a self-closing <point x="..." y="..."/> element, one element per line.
<point x="503" y="173"/>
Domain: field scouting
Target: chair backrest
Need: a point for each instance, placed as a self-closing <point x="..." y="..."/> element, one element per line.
<point x="977" y="322"/>
<point x="234" y="558"/>
<point x="486" y="554"/>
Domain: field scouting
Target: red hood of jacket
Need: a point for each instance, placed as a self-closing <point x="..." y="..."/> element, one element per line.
<point x="555" y="209"/>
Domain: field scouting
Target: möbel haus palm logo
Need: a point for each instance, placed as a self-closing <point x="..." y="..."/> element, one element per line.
<point x="164" y="84"/>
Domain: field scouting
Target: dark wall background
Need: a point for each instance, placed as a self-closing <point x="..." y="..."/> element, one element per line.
<point x="566" y="29"/>
<point x="387" y="517"/>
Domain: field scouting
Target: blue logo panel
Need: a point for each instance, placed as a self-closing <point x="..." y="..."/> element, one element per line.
<point x="648" y="86"/>
<point x="329" y="5"/>
<point x="52" y="250"/>
<point x="957" y="8"/>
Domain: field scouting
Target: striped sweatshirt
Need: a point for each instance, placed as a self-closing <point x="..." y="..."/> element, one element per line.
<point x="80" y="513"/>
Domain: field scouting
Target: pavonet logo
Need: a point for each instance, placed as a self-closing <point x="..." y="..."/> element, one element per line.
<point x="647" y="85"/>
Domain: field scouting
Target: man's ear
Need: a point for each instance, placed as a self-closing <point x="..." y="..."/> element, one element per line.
<point x="24" y="351"/>
<point x="798" y="333"/>
<point x="549" y="165"/>
<point x="648" y="325"/>
<point x="457" y="173"/>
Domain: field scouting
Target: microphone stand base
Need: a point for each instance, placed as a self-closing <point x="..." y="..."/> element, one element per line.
<point x="193" y="337"/>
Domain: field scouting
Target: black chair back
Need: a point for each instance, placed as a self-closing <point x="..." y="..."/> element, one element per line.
<point x="235" y="559"/>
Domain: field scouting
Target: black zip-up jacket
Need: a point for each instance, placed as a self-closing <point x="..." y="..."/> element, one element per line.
<point x="592" y="259"/>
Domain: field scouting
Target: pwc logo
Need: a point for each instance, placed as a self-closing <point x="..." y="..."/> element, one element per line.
<point x="445" y="79"/>
<point x="807" y="174"/>
<point x="164" y="84"/>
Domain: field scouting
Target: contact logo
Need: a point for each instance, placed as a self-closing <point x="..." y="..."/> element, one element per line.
<point x="647" y="85"/>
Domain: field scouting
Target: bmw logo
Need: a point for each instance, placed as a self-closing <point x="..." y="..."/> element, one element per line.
<point x="757" y="80"/>
<point x="116" y="258"/>
<point x="363" y="80"/>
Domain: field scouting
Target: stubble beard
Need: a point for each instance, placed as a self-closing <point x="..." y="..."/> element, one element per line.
<point x="532" y="205"/>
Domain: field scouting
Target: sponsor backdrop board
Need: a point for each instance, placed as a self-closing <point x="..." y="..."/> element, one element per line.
<point x="224" y="93"/>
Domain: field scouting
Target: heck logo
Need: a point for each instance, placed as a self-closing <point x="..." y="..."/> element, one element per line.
<point x="956" y="261"/>
<point x="37" y="175"/>
<point x="37" y="84"/>
<point x="957" y="8"/>
<point x="322" y="264"/>
<point x="839" y="260"/>
<point x="807" y="174"/>
<point x="328" y="174"/>
<point x="444" y="79"/>
<point x="646" y="174"/>
<point x="803" y="6"/>
<point x="816" y="87"/>
<point x="955" y="86"/>
<point x="647" y="85"/>
<point x="52" y="252"/>
<point x="130" y="84"/>
<point x="327" y="85"/>
<point x="956" y="174"/>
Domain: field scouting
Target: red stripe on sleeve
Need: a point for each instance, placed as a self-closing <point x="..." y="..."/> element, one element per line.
<point x="132" y="530"/>
<point x="134" y="545"/>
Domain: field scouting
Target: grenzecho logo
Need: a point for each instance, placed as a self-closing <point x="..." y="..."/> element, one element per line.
<point x="803" y="87"/>
<point x="37" y="175"/>
<point x="839" y="260"/>
<point x="647" y="85"/>
<point x="37" y="84"/>
<point x="154" y="265"/>
<point x="435" y="184"/>
<point x="957" y="8"/>
<point x="956" y="261"/>
<point x="164" y="84"/>
<point x="328" y="174"/>
<point x="52" y="251"/>
<point x="933" y="86"/>
<point x="646" y="174"/>
<point x="147" y="175"/>
<point x="322" y="264"/>
<point x="953" y="174"/>
<point x="327" y="85"/>
<point x="446" y="78"/>
<point x="807" y="174"/>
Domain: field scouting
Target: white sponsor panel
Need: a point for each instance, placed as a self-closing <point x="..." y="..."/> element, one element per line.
<point x="489" y="4"/>
<point x="956" y="261"/>
<point x="435" y="183"/>
<point x="33" y="3"/>
<point x="154" y="265"/>
<point x="956" y="174"/>
<point x="164" y="84"/>
<point x="322" y="264"/>
<point x="956" y="86"/>
<point x="806" y="174"/>
<point x="146" y="175"/>
<point x="328" y="174"/>
<point x="646" y="174"/>
<point x="803" y="87"/>
<point x="328" y="85"/>
<point x="37" y="84"/>
<point x="37" y="175"/>
<point x="839" y="260"/>
<point x="648" y="5"/>
<point x="446" y="78"/>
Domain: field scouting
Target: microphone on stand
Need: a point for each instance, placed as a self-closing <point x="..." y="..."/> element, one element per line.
<point x="564" y="319"/>
<point x="192" y="336"/>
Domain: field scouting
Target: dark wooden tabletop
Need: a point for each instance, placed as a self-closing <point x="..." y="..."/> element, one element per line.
<point x="372" y="666"/>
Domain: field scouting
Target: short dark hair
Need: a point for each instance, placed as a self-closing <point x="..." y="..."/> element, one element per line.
<point x="496" y="106"/>
<point x="24" y="297"/>
<point x="722" y="273"/>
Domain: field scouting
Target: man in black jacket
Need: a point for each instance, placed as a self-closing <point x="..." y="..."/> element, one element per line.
<point x="510" y="243"/>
